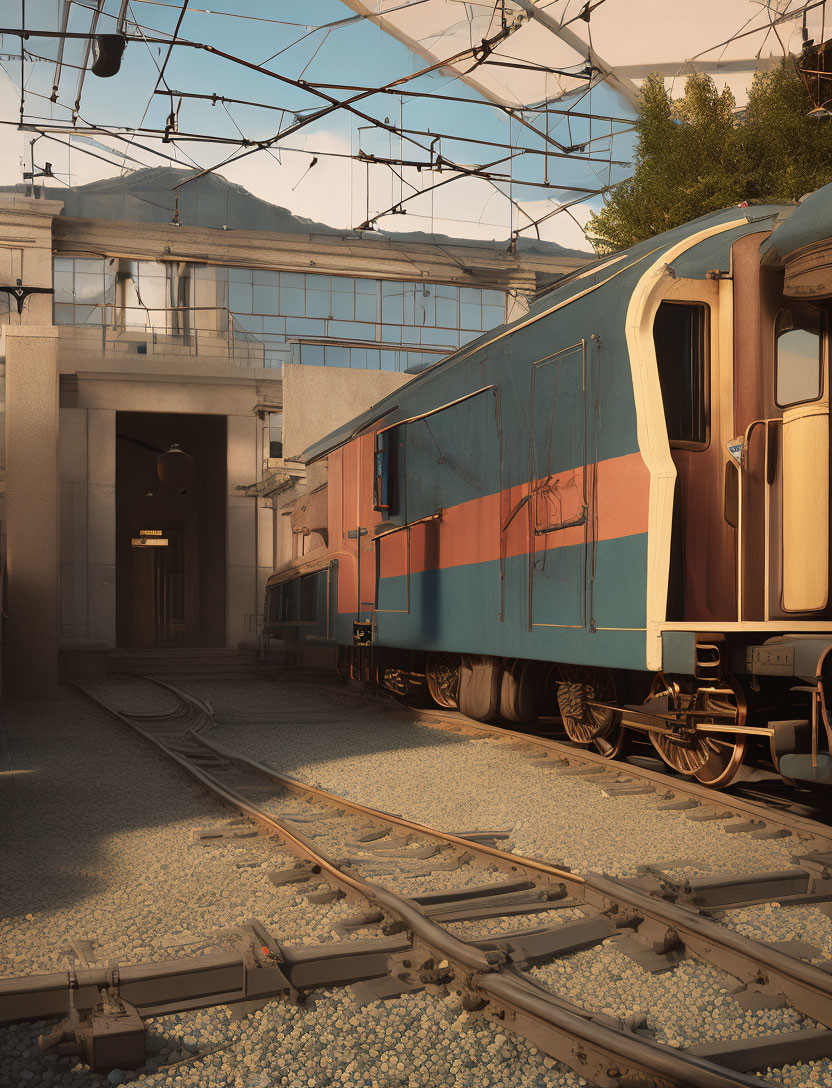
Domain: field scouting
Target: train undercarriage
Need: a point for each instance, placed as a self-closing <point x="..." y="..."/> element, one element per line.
<point x="709" y="728"/>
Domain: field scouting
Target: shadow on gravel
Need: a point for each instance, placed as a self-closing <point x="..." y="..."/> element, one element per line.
<point x="75" y="781"/>
<point x="85" y="803"/>
<point x="297" y="724"/>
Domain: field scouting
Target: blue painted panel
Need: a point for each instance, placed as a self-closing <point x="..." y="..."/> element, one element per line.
<point x="457" y="608"/>
<point x="449" y="457"/>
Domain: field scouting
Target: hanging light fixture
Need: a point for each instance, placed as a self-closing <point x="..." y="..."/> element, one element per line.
<point x="175" y="468"/>
<point x="107" y="51"/>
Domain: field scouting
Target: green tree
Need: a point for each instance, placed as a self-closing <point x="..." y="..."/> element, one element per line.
<point x="698" y="155"/>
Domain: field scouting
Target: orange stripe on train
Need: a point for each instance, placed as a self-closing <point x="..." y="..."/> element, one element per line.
<point x="470" y="532"/>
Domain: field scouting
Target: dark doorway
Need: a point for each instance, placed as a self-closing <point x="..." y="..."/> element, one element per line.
<point x="173" y="593"/>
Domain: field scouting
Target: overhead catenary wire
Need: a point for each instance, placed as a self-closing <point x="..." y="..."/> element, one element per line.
<point x="531" y="136"/>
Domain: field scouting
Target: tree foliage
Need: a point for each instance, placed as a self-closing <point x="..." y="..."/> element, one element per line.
<point x="698" y="155"/>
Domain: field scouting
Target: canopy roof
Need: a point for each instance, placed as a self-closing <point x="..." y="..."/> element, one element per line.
<point x="622" y="40"/>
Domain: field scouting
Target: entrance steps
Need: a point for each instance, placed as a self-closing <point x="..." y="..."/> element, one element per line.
<point x="209" y="662"/>
<point x="218" y="663"/>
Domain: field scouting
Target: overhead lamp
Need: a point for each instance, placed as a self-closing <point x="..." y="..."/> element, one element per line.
<point x="175" y="468"/>
<point x="107" y="51"/>
<point x="819" y="113"/>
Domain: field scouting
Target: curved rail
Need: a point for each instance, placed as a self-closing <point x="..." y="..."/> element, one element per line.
<point x="594" y="1045"/>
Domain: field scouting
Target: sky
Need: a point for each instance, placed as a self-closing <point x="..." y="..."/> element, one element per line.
<point x="311" y="172"/>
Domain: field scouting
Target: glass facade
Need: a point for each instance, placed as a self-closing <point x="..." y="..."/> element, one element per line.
<point x="297" y="317"/>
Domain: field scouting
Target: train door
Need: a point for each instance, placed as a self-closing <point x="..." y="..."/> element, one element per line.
<point x="801" y="390"/>
<point x="785" y="497"/>
<point x="562" y="456"/>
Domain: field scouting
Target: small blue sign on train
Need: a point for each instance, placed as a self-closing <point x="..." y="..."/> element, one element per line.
<point x="735" y="447"/>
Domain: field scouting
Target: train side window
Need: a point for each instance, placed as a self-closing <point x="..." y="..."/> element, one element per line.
<point x="799" y="357"/>
<point x="384" y="486"/>
<point x="680" y="334"/>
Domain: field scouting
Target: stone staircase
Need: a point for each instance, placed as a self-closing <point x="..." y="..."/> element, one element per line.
<point x="211" y="662"/>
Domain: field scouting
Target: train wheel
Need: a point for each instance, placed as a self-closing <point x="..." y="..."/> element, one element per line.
<point x="480" y="680"/>
<point x="589" y="725"/>
<point x="442" y="675"/>
<point x="714" y="759"/>
<point x="520" y="691"/>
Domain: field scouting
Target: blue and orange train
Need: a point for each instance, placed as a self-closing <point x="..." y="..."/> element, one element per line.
<point x="615" y="508"/>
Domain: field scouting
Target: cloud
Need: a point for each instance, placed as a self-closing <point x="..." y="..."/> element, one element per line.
<point x="333" y="191"/>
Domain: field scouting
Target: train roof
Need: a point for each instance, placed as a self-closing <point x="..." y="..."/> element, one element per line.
<point x="810" y="221"/>
<point x="711" y="253"/>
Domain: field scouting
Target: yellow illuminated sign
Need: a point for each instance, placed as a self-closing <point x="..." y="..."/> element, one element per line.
<point x="149" y="541"/>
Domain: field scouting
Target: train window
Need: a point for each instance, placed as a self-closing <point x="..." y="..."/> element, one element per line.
<point x="309" y="597"/>
<point x="799" y="336"/>
<point x="680" y="333"/>
<point x="383" y="474"/>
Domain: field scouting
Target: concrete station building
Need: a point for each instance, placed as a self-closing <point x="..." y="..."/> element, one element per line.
<point x="133" y="322"/>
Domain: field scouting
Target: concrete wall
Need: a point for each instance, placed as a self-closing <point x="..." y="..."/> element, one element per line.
<point x="317" y="399"/>
<point x="87" y="524"/>
<point x="30" y="634"/>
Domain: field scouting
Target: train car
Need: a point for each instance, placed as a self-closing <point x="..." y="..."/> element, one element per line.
<point x="614" y="509"/>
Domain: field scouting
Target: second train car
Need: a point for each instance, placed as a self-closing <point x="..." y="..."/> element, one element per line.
<point x="615" y="509"/>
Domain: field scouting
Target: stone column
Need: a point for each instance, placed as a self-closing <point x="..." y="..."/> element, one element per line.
<point x="241" y="591"/>
<point x="101" y="535"/>
<point x="30" y="633"/>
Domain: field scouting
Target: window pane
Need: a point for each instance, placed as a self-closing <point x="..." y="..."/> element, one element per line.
<point x="311" y="354"/>
<point x="447" y="313"/>
<point x="337" y="356"/>
<point x="470" y="316"/>
<point x="239" y="297"/>
<point x="265" y="299"/>
<point x="798" y="355"/>
<point x="265" y="277"/>
<point x="366" y="308"/>
<point x="318" y="303"/>
<point x="392" y="309"/>
<point x="679" y="333"/>
<point x="89" y="288"/>
<point x="292" y="279"/>
<point x="292" y="301"/>
<point x="441" y="338"/>
<point x="62" y="282"/>
<point x="351" y="330"/>
<point x="298" y="326"/>
<point x="493" y="316"/>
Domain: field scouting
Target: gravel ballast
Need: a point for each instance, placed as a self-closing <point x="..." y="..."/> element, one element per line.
<point x="99" y="844"/>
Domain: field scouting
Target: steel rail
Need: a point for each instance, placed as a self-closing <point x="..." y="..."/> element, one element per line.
<point x="817" y="834"/>
<point x="794" y="822"/>
<point x="808" y="987"/>
<point x="593" y="1045"/>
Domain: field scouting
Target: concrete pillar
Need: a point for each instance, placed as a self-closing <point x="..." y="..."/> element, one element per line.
<point x="72" y="445"/>
<point x="241" y="593"/>
<point x="30" y="634"/>
<point x="101" y="524"/>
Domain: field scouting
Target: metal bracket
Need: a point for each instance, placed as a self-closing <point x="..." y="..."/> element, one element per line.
<point x="110" y="1036"/>
<point x="21" y="293"/>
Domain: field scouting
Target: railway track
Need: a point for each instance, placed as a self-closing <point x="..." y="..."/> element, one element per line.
<point x="392" y="867"/>
<point x="773" y="815"/>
